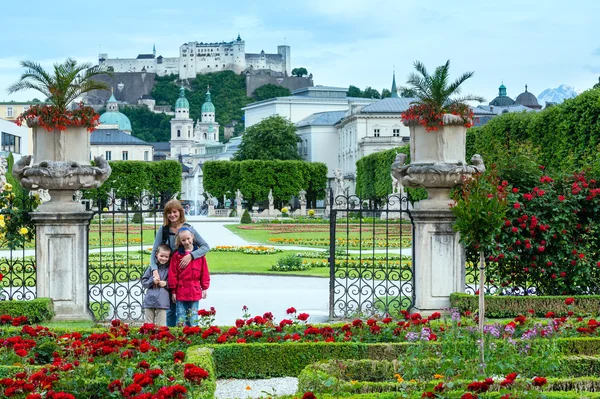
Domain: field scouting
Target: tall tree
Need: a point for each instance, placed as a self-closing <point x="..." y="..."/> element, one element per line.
<point x="354" y="91"/>
<point x="270" y="91"/>
<point x="369" y="92"/>
<point x="407" y="93"/>
<point x="299" y="72"/>
<point x="385" y="93"/>
<point x="273" y="138"/>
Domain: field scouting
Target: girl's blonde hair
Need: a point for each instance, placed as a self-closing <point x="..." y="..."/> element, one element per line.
<point x="170" y="206"/>
<point x="178" y="240"/>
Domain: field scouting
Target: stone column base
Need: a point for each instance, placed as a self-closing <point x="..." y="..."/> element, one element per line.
<point x="439" y="263"/>
<point x="62" y="257"/>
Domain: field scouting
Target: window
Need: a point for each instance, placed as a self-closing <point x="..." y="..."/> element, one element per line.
<point x="178" y="133"/>
<point x="146" y="155"/>
<point x="9" y="111"/>
<point x="108" y="155"/>
<point x="375" y="132"/>
<point x="305" y="147"/>
<point x="125" y="156"/>
<point x="396" y="132"/>
<point x="11" y="143"/>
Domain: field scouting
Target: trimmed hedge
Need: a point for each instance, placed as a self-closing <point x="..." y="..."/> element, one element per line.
<point x="455" y="395"/>
<point x="289" y="359"/>
<point x="512" y="306"/>
<point x="202" y="357"/>
<point x="36" y="310"/>
<point x="374" y="376"/>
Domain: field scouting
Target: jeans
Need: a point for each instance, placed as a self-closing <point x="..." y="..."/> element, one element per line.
<point x="187" y="311"/>
<point x="172" y="314"/>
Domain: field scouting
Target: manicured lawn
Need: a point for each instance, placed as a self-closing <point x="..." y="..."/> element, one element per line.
<point x="233" y="262"/>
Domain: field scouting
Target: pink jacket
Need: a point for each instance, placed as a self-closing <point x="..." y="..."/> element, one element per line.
<point x="188" y="283"/>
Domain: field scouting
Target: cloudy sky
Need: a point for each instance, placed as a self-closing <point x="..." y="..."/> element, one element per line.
<point x="341" y="42"/>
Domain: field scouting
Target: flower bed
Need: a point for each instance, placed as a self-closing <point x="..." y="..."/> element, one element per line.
<point x="247" y="249"/>
<point x="343" y="242"/>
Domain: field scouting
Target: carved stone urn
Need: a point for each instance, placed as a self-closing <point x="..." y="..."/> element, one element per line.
<point x="61" y="164"/>
<point x="437" y="161"/>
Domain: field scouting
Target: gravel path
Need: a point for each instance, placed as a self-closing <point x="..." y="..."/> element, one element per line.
<point x="242" y="389"/>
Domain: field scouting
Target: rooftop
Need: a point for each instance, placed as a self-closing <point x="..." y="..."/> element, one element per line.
<point x="322" y="119"/>
<point x="390" y="105"/>
<point x="114" y="137"/>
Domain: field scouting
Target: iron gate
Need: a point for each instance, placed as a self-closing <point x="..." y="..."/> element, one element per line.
<point x="117" y="255"/>
<point x="370" y="256"/>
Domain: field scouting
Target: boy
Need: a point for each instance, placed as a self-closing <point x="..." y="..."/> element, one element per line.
<point x="157" y="301"/>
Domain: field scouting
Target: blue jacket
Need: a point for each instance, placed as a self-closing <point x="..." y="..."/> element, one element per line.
<point x="156" y="297"/>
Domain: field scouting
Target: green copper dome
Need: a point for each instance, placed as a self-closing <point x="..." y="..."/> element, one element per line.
<point x="208" y="106"/>
<point x="182" y="102"/>
<point x="112" y="116"/>
<point x="116" y="118"/>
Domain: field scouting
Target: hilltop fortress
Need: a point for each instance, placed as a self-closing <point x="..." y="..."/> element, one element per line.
<point x="199" y="58"/>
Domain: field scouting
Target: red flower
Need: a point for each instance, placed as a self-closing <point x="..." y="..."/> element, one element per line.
<point x="428" y="394"/>
<point x="194" y="374"/>
<point x="540" y="381"/>
<point x="569" y="301"/>
<point x="178" y="356"/>
<point x="468" y="395"/>
<point x="303" y="316"/>
<point x="291" y="310"/>
<point x="309" y="395"/>
<point x="550" y="315"/>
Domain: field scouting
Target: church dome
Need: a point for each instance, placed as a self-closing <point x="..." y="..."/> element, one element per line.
<point x="208" y="106"/>
<point x="182" y="102"/>
<point x="527" y="99"/>
<point x="113" y="117"/>
<point x="116" y="118"/>
<point x="502" y="100"/>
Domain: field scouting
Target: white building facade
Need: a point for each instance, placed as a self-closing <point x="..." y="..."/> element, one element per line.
<point x="15" y="139"/>
<point x="303" y="103"/>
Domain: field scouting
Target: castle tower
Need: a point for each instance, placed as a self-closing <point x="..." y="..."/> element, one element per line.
<point x="284" y="51"/>
<point x="394" y="89"/>
<point x="181" y="127"/>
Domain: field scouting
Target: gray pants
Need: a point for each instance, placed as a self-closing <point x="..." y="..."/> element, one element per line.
<point x="156" y="316"/>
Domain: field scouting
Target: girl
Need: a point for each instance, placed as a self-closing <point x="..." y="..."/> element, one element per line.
<point x="173" y="220"/>
<point x="187" y="285"/>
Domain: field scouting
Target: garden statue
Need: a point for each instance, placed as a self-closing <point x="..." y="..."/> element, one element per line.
<point x="270" y="198"/>
<point x="239" y="197"/>
<point x="339" y="182"/>
<point x="302" y="197"/>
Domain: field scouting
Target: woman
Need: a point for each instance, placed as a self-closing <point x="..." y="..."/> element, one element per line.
<point x="173" y="220"/>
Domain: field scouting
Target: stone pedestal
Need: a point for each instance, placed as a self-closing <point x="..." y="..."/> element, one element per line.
<point x="62" y="256"/>
<point x="271" y="210"/>
<point x="302" y="209"/>
<point x="239" y="210"/>
<point x="211" y="209"/>
<point x="439" y="258"/>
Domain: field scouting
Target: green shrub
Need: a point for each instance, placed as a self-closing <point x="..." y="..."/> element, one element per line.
<point x="289" y="263"/>
<point x="36" y="310"/>
<point x="512" y="306"/>
<point x="246" y="217"/>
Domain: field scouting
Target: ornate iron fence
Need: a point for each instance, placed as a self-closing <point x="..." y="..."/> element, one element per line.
<point x="370" y="256"/>
<point x="121" y="234"/>
<point x="17" y="249"/>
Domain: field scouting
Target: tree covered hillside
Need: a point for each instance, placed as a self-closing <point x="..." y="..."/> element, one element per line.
<point x="228" y="92"/>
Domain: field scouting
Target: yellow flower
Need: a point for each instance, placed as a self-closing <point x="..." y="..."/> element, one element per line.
<point x="23" y="230"/>
<point x="8" y="187"/>
<point x="104" y="209"/>
<point x="438" y="376"/>
<point x="353" y="382"/>
<point x="2" y="223"/>
<point x="1" y="217"/>
<point x="399" y="377"/>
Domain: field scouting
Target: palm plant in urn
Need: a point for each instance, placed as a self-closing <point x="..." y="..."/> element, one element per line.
<point x="438" y="119"/>
<point x="61" y="133"/>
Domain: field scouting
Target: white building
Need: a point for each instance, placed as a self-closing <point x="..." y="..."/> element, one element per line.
<point x="339" y="139"/>
<point x="15" y="139"/>
<point x="113" y="140"/>
<point x="199" y="58"/>
<point x="303" y="103"/>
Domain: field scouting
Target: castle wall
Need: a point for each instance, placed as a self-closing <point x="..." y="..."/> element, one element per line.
<point x="168" y="66"/>
<point x="127" y="87"/>
<point x="273" y="62"/>
<point x="131" y="64"/>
